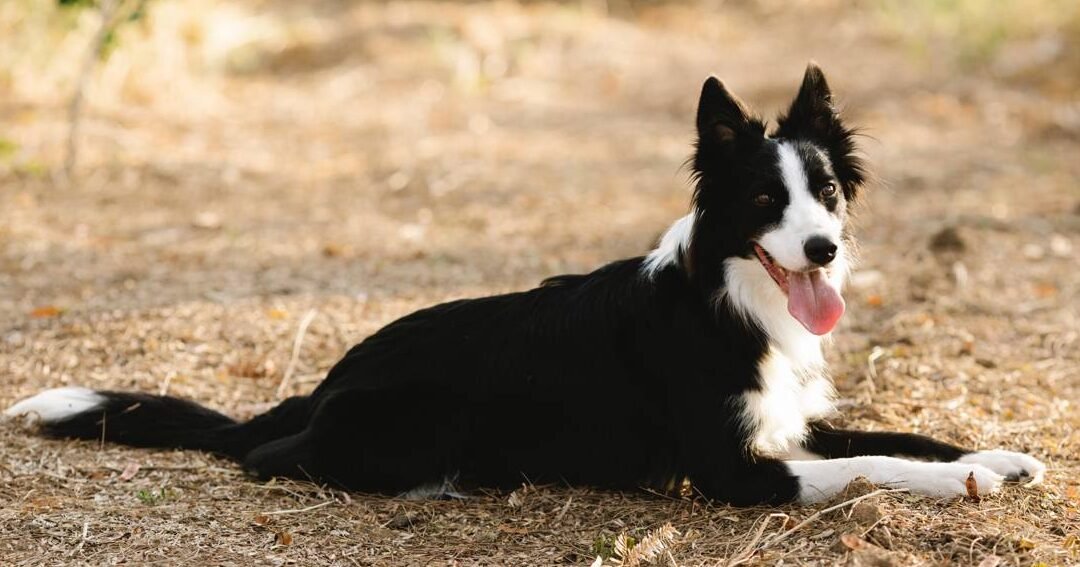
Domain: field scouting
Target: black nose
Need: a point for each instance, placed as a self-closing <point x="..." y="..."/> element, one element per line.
<point x="820" y="250"/>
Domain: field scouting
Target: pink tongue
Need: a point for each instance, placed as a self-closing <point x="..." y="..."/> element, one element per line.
<point x="814" y="301"/>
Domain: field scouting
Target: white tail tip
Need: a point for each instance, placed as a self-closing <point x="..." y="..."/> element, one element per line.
<point x="56" y="404"/>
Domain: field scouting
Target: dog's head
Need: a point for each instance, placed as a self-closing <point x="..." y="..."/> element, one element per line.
<point x="778" y="199"/>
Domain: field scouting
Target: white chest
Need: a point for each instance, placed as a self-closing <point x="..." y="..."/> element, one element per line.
<point x="790" y="396"/>
<point x="795" y="386"/>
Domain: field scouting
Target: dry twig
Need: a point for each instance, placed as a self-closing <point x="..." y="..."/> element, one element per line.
<point x="782" y="536"/>
<point x="299" y="342"/>
<point x="299" y="510"/>
<point x="747" y="551"/>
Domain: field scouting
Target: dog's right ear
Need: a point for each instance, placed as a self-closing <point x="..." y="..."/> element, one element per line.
<point x="724" y="123"/>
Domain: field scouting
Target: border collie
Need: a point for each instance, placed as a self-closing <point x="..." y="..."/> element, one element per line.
<point x="701" y="361"/>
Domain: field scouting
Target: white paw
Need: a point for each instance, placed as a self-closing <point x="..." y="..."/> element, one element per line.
<point x="948" y="480"/>
<point x="1010" y="464"/>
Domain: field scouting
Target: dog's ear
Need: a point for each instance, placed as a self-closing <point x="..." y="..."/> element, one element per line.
<point x="724" y="124"/>
<point x="812" y="114"/>
<point x="814" y="117"/>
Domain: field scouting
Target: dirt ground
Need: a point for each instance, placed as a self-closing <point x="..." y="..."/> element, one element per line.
<point x="246" y="165"/>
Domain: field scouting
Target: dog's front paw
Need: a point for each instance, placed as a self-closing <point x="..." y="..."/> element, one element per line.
<point x="1015" y="467"/>
<point x="948" y="480"/>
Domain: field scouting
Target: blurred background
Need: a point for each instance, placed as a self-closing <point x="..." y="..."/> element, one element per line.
<point x="253" y="148"/>
<point x="240" y="168"/>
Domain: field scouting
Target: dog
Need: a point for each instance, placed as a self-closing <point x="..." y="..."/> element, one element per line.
<point x="702" y="361"/>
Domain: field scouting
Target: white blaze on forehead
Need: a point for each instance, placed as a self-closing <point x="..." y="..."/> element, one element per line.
<point x="804" y="216"/>
<point x="793" y="171"/>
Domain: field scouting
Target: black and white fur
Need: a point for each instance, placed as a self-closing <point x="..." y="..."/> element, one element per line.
<point x="684" y="364"/>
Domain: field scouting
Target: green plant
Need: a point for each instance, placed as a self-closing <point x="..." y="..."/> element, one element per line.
<point x="154" y="497"/>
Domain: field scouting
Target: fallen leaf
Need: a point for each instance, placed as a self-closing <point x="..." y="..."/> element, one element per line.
<point x="261" y="519"/>
<point x="284" y="538"/>
<point x="972" y="487"/>
<point x="1045" y="290"/>
<point x="512" y="530"/>
<point x="129" y="472"/>
<point x="403" y="520"/>
<point x="332" y="250"/>
<point x="875" y="300"/>
<point x="251" y="367"/>
<point x="1025" y="543"/>
<point x="277" y="314"/>
<point x="853" y="542"/>
<point x="46" y="311"/>
<point x="516" y="499"/>
<point x="46" y="503"/>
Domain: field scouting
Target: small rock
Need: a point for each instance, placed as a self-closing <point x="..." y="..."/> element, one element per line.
<point x="1034" y="251"/>
<point x="412" y="232"/>
<point x="1060" y="246"/>
<point x="862" y="552"/>
<point x="403" y="520"/>
<point x="866" y="513"/>
<point x="947" y="240"/>
<point x="866" y="279"/>
<point x="398" y="181"/>
<point x="207" y="220"/>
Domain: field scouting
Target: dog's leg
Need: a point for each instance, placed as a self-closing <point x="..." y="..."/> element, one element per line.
<point x="832" y="443"/>
<point x="821" y="480"/>
<point x="768" y="481"/>
<point x="747" y="483"/>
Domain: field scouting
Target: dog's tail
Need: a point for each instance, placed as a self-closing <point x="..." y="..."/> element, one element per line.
<point x="144" y="420"/>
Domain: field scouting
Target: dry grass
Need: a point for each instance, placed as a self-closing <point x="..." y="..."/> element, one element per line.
<point x="245" y="163"/>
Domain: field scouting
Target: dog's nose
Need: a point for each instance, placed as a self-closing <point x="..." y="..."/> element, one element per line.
<point x="820" y="250"/>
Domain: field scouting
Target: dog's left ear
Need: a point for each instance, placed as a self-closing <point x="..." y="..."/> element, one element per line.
<point x="813" y="117"/>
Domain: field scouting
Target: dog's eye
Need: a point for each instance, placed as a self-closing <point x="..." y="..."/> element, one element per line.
<point x="829" y="190"/>
<point x="763" y="200"/>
